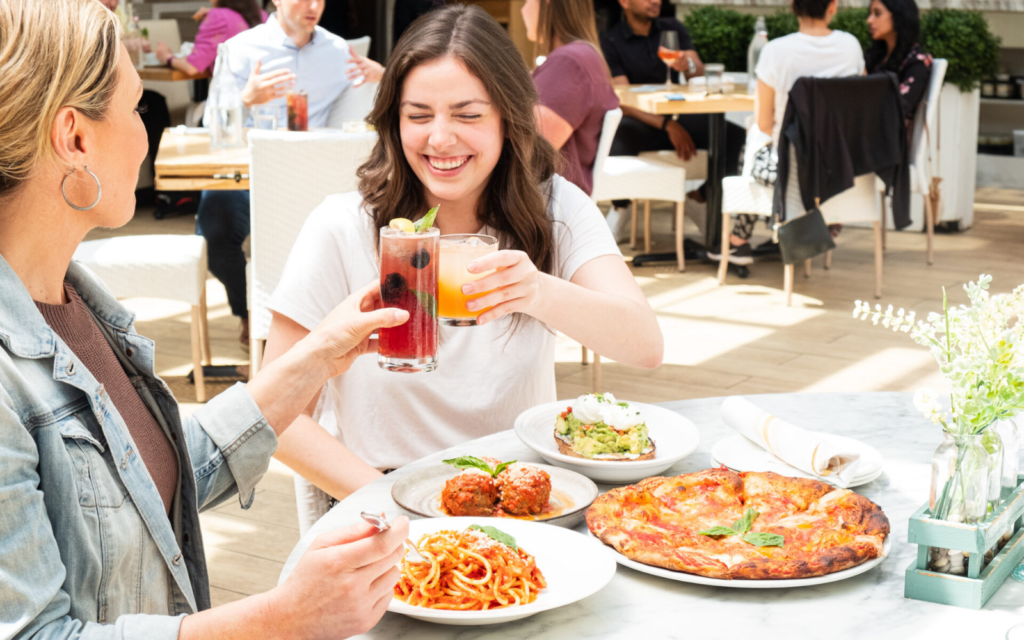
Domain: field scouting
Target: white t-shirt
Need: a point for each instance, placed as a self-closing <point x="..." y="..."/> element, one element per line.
<point x="484" y="378"/>
<point x="798" y="55"/>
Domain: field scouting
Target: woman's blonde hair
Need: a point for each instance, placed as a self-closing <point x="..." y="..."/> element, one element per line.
<point x="53" y="54"/>
<point x="566" y="21"/>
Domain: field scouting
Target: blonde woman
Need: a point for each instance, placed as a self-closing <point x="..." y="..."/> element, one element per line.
<point x="101" y="481"/>
<point x="573" y="82"/>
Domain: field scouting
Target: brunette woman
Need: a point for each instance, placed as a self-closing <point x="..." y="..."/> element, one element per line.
<point x="573" y="82"/>
<point x="894" y="27"/>
<point x="455" y="117"/>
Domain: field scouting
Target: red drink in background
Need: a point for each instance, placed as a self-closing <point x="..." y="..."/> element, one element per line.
<point x="408" y="280"/>
<point x="298" y="111"/>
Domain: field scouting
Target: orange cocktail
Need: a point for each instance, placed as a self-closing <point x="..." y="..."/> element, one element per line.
<point x="457" y="252"/>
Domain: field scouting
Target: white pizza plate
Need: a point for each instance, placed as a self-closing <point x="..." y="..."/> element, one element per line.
<point x="571" y="494"/>
<point x="574" y="565"/>
<point x="740" y="454"/>
<point x="674" y="437"/>
<point x="679" y="576"/>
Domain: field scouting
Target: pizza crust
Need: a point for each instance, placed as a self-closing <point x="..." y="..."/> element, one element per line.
<point x="658" y="520"/>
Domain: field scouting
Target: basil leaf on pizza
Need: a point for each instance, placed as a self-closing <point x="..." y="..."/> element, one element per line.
<point x="743" y="524"/>
<point x="717" y="531"/>
<point x="761" y="539"/>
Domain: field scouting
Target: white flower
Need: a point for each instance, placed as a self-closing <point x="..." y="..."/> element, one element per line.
<point x="924" y="400"/>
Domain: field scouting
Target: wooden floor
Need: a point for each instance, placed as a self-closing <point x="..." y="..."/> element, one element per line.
<point x="737" y="339"/>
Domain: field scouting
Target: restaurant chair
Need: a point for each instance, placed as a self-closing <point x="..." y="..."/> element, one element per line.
<point x="924" y="147"/>
<point x="169" y="267"/>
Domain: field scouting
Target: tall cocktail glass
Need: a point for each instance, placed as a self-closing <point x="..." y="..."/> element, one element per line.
<point x="457" y="251"/>
<point x="408" y="280"/>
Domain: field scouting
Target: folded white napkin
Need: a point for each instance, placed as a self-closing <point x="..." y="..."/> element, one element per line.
<point x="805" y="450"/>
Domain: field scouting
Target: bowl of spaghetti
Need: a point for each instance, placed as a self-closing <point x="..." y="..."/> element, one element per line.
<point x="489" y="570"/>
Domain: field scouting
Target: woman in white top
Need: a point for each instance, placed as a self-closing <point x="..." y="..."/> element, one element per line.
<point x="815" y="51"/>
<point x="455" y="116"/>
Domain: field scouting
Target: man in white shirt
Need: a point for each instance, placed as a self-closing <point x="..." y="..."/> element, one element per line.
<point x="288" y="51"/>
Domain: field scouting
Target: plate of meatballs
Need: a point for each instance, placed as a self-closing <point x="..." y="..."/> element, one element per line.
<point x="485" y="486"/>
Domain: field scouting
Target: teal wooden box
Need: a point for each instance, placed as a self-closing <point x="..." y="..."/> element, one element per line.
<point x="974" y="589"/>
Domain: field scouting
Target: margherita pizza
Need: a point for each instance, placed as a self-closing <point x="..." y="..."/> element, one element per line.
<point x="753" y="526"/>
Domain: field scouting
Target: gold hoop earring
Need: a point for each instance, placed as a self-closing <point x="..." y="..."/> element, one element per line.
<point x="99" y="190"/>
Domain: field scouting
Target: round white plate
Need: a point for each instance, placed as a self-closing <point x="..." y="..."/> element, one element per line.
<point x="575" y="566"/>
<point x="679" y="576"/>
<point x="674" y="436"/>
<point x="571" y="494"/>
<point x="740" y="454"/>
<point x="857" y="482"/>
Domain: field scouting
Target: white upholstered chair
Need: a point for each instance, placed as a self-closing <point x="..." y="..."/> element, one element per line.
<point x="169" y="267"/>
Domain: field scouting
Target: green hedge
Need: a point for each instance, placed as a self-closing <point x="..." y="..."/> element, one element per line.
<point x="961" y="37"/>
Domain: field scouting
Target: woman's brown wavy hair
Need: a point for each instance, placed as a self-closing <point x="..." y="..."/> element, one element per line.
<point x="514" y="203"/>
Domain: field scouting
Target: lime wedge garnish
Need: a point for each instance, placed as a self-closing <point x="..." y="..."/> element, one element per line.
<point x="403" y="224"/>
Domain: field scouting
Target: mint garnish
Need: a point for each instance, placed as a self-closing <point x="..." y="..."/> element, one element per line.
<point x="472" y="462"/>
<point x="426" y="221"/>
<point x="427" y="301"/>
<point x="497" y="534"/>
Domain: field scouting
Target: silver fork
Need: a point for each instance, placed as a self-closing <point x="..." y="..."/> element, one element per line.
<point x="382" y="524"/>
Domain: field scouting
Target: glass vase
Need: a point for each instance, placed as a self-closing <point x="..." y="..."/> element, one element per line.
<point x="961" y="467"/>
<point x="1007" y="430"/>
<point x="993" y="444"/>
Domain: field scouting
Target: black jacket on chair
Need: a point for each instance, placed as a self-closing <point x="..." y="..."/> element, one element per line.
<point x="842" y="128"/>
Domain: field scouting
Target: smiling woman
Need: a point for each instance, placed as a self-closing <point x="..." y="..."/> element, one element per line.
<point x="455" y="118"/>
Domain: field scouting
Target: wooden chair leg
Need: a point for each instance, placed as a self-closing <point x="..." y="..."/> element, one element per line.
<point x="204" y="329"/>
<point x="647" y="226"/>
<point x="632" y="231"/>
<point x="585" y="357"/>
<point x="807" y="268"/>
<point x="885" y="221"/>
<point x="787" y="283"/>
<point x="929" y="223"/>
<point x="197" y="356"/>
<point x="723" y="262"/>
<point x="680" y="255"/>
<point x="828" y="260"/>
<point x="878" y="259"/>
<point x="596" y="382"/>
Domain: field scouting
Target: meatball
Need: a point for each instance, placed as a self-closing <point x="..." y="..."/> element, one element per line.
<point x="525" y="490"/>
<point x="471" y="493"/>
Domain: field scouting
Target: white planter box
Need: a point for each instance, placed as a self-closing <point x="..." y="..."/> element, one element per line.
<point x="957" y="159"/>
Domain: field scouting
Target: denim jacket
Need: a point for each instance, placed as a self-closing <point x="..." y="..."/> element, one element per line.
<point x="86" y="548"/>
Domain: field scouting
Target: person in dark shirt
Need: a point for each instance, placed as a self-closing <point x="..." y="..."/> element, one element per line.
<point x="894" y="27"/>
<point x="631" y="50"/>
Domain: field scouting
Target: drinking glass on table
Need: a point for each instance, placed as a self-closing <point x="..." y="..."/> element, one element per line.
<point x="298" y="110"/>
<point x="668" y="51"/>
<point x="408" y="280"/>
<point x="264" y="116"/>
<point x="457" y="251"/>
<point x="713" y="73"/>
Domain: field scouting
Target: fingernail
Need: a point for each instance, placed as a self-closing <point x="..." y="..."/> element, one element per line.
<point x="401" y="315"/>
<point x="467" y="289"/>
<point x="472" y="267"/>
<point x="471" y="305"/>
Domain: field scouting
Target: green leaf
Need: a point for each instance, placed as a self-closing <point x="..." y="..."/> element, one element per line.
<point x="427" y="301"/>
<point x="718" y="531"/>
<point x="470" y="462"/>
<point x="761" y="539"/>
<point x="426" y="221"/>
<point x="497" y="534"/>
<point x="965" y="41"/>
<point x="501" y="467"/>
<point x="743" y="524"/>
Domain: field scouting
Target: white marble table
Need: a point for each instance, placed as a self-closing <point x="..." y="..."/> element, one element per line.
<point x="637" y="605"/>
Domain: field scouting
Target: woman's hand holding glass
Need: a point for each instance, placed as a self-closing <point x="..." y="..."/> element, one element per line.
<point x="515" y="285"/>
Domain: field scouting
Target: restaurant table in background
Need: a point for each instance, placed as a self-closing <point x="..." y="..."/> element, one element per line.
<point x="167" y="74"/>
<point x="634" y="604"/>
<point x="186" y="162"/>
<point x="715" y="106"/>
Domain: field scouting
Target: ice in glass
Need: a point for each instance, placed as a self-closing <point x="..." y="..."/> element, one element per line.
<point x="457" y="251"/>
<point x="408" y="280"/>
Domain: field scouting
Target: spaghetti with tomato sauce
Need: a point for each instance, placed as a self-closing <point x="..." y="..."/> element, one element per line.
<point x="468" y="571"/>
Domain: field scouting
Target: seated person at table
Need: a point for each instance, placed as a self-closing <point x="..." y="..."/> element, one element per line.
<point x="263" y="61"/>
<point x="456" y="94"/>
<point x="225" y="20"/>
<point x="813" y="51"/>
<point x="894" y="27"/>
<point x="631" y="49"/>
<point x="573" y="83"/>
<point x="102" y="479"/>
